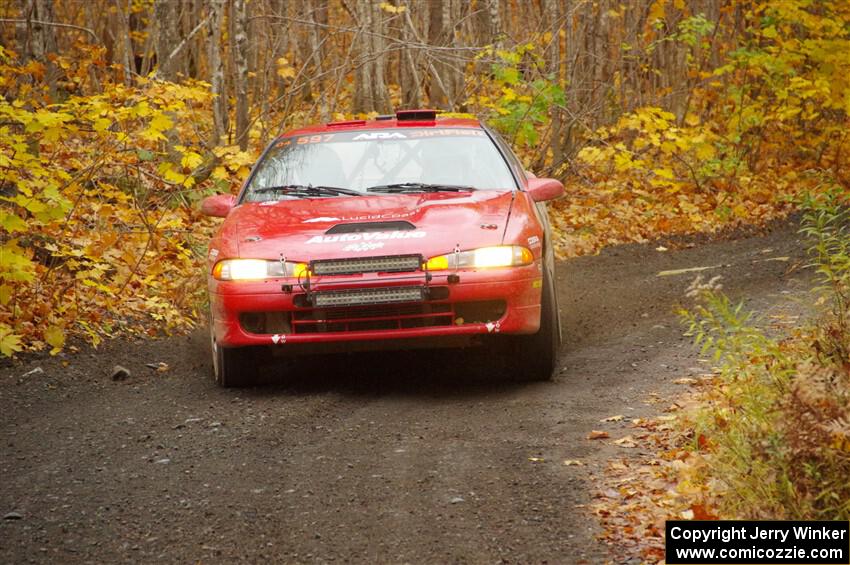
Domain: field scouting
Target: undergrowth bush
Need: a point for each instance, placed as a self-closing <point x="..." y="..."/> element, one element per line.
<point x="776" y="431"/>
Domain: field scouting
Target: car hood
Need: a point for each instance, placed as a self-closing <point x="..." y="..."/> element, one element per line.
<point x="423" y="223"/>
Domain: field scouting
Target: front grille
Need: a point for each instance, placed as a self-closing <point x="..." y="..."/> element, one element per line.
<point x="356" y="265"/>
<point x="395" y="316"/>
<point x="367" y="296"/>
<point x="377" y="311"/>
<point x="380" y="317"/>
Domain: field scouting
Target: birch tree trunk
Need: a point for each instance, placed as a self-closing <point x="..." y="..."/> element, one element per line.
<point x="552" y="15"/>
<point x="410" y="82"/>
<point x="438" y="92"/>
<point x="319" y="15"/>
<point x="362" y="81"/>
<point x="165" y="14"/>
<point x="239" y="27"/>
<point x="494" y="21"/>
<point x="216" y="70"/>
<point x="42" y="39"/>
<point x="380" y="93"/>
<point x="370" y="89"/>
<point x="127" y="61"/>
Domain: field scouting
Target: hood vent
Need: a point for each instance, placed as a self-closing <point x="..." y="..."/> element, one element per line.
<point x="370" y="227"/>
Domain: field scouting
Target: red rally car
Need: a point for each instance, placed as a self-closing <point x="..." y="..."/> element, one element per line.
<point x="407" y="231"/>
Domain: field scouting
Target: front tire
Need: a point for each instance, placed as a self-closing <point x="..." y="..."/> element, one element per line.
<point x="233" y="366"/>
<point x="535" y="357"/>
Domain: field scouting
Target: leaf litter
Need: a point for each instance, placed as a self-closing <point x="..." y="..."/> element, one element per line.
<point x="643" y="488"/>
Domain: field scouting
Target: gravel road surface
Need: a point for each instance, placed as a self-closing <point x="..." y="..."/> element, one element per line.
<point x="417" y="457"/>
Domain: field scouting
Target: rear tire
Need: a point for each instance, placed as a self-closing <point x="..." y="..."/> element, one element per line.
<point x="535" y="357"/>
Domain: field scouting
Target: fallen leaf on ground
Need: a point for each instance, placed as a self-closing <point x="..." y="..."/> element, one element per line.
<point x="536" y="459"/>
<point x="573" y="462"/>
<point x="684" y="381"/>
<point x="627" y="441"/>
<point x="702" y="513"/>
<point x="608" y="493"/>
<point x="598" y="434"/>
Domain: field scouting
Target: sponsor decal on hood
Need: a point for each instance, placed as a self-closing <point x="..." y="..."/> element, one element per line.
<point x="388" y="216"/>
<point x="368" y="236"/>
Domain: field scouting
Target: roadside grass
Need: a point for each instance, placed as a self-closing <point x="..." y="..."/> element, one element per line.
<point x="774" y="433"/>
<point x="767" y="434"/>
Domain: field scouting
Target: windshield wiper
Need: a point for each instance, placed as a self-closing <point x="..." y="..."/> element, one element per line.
<point x="419" y="187"/>
<point x="309" y="189"/>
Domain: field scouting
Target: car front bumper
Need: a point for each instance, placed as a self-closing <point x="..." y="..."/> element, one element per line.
<point x="516" y="289"/>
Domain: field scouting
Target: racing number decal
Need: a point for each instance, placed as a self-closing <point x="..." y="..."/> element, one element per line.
<point x="307" y="139"/>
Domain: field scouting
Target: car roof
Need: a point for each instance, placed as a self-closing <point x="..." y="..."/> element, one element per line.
<point x="401" y="119"/>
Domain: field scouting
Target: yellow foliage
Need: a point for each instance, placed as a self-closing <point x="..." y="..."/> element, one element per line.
<point x="55" y="337"/>
<point x="9" y="342"/>
<point x="284" y="69"/>
<point x="387" y="7"/>
<point x="91" y="222"/>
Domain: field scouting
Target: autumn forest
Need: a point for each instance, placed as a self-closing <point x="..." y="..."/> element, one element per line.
<point x="663" y="118"/>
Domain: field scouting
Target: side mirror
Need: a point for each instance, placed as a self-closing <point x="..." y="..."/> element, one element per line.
<point x="542" y="190"/>
<point x="218" y="205"/>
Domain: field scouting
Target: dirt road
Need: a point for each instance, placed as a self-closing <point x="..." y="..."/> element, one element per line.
<point x="383" y="458"/>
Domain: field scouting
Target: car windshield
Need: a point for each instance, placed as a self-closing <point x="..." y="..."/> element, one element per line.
<point x="380" y="162"/>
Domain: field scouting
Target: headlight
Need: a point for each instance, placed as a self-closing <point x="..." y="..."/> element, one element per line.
<point x="256" y="269"/>
<point x="482" y="258"/>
